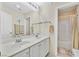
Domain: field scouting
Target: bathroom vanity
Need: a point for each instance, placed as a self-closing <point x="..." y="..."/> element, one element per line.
<point x="26" y="45"/>
<point x="29" y="47"/>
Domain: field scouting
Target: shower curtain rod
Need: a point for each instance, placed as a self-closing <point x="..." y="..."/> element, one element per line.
<point x="67" y="15"/>
<point x="41" y="22"/>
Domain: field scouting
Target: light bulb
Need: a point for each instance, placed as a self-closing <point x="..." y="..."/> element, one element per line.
<point x="17" y="5"/>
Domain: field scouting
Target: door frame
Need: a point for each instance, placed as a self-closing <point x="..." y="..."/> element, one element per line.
<point x="57" y="8"/>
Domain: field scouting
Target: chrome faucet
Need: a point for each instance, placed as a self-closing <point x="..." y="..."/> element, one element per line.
<point x="37" y="35"/>
<point x="18" y="39"/>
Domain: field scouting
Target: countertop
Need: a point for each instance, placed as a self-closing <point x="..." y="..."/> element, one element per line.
<point x="11" y="48"/>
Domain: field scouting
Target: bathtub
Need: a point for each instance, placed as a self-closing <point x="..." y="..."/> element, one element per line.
<point x="75" y="52"/>
<point x="64" y="52"/>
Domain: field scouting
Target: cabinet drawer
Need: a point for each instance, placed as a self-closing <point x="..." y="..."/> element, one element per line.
<point x="24" y="53"/>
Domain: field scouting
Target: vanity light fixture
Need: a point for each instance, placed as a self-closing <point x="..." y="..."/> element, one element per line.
<point x="18" y="6"/>
<point x="34" y="5"/>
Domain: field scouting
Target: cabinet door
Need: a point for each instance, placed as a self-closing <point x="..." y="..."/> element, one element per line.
<point x="40" y="49"/>
<point x="34" y="51"/>
<point x="44" y="47"/>
<point x="46" y="44"/>
<point x="24" y="53"/>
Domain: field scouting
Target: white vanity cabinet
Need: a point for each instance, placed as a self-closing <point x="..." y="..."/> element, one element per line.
<point x="40" y="49"/>
<point x="24" y="53"/>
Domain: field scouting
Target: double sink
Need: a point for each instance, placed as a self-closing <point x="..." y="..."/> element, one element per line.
<point x="24" y="41"/>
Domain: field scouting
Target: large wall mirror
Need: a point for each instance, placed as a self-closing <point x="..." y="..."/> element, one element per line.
<point x="22" y="27"/>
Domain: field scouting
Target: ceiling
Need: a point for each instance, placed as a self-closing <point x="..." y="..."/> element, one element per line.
<point x="17" y="7"/>
<point x="22" y="7"/>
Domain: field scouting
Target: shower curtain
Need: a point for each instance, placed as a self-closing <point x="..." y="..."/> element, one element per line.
<point x="75" y="29"/>
<point x="75" y="33"/>
<point x="65" y="33"/>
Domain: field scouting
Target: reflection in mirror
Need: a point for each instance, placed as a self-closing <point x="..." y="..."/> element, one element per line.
<point x="16" y="29"/>
<point x="22" y="29"/>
